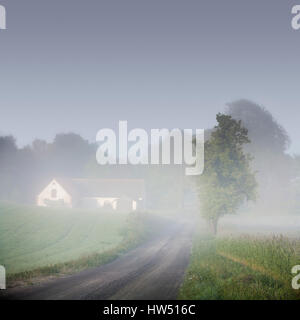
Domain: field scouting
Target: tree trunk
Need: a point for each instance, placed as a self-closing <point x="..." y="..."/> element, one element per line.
<point x="214" y="224"/>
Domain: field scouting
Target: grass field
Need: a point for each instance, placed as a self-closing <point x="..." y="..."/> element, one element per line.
<point x="243" y="267"/>
<point x="32" y="237"/>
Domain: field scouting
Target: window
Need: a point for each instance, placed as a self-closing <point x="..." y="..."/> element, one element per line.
<point x="53" y="193"/>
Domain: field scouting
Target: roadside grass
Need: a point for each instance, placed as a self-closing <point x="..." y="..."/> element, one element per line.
<point x="241" y="268"/>
<point x="37" y="243"/>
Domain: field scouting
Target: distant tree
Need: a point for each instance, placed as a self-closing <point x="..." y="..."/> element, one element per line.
<point x="295" y="182"/>
<point x="69" y="154"/>
<point x="264" y="131"/>
<point x="8" y="163"/>
<point x="269" y="142"/>
<point x="24" y="171"/>
<point x="40" y="147"/>
<point x="227" y="181"/>
<point x="7" y="146"/>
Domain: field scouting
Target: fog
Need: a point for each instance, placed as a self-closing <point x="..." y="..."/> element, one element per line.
<point x="89" y="90"/>
<point x="276" y="209"/>
<point x="156" y="65"/>
<point x="26" y="171"/>
<point x="249" y="224"/>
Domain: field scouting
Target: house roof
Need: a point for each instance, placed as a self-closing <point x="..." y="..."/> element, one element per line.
<point x="115" y="188"/>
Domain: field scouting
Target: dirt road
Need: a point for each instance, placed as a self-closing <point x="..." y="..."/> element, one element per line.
<point x="152" y="271"/>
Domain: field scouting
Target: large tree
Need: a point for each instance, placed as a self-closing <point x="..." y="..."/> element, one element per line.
<point x="227" y="181"/>
<point x="264" y="131"/>
<point x="269" y="143"/>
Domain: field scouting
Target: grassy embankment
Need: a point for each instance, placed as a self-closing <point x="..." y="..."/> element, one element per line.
<point x="41" y="242"/>
<point x="243" y="267"/>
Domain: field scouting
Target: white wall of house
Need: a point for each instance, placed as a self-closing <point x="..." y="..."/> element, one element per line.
<point x="113" y="202"/>
<point x="54" y="192"/>
<point x="105" y="201"/>
<point x="134" y="205"/>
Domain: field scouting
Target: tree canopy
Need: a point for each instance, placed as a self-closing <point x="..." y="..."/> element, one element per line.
<point x="269" y="143"/>
<point x="227" y="180"/>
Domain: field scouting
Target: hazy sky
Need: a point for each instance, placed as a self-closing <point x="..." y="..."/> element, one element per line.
<point x="70" y="65"/>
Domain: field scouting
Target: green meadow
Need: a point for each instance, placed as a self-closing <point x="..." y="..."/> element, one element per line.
<point x="32" y="237"/>
<point x="242" y="267"/>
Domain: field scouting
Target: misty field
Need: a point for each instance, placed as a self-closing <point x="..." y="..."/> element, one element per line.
<point x="242" y="267"/>
<point x="32" y="237"/>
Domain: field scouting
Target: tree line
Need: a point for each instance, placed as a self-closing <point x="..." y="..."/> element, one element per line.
<point x="24" y="171"/>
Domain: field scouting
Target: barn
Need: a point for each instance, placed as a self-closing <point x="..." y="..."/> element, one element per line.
<point x="105" y="194"/>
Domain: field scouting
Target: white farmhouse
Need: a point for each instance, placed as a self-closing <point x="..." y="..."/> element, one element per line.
<point x="106" y="194"/>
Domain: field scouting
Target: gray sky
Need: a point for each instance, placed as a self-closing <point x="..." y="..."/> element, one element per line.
<point x="70" y="65"/>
